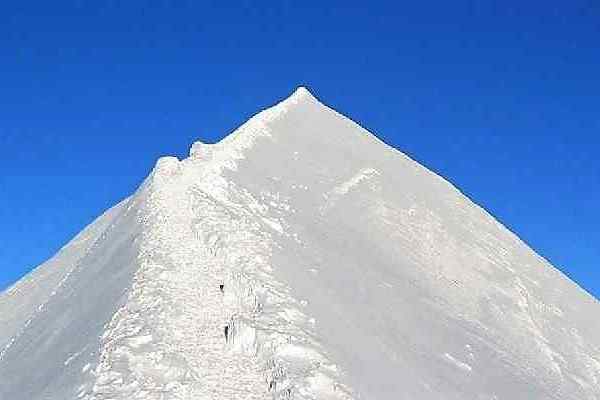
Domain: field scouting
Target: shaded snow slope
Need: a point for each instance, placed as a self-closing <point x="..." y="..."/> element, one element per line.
<point x="19" y="303"/>
<point x="298" y="258"/>
<point x="56" y="314"/>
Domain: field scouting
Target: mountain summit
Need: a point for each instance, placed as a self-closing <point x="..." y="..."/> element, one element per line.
<point x="299" y="258"/>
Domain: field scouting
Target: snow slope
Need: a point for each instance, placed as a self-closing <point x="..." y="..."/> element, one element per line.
<point x="298" y="258"/>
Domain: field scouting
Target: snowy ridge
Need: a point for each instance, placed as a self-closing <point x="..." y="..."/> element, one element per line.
<point x="299" y="258"/>
<point x="208" y="319"/>
<point x="225" y="153"/>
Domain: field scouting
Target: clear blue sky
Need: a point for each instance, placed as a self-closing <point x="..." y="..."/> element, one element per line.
<point x="500" y="97"/>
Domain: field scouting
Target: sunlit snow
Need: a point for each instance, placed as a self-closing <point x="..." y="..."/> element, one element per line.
<point x="298" y="258"/>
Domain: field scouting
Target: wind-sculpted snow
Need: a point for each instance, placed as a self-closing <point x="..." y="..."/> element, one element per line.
<point x="298" y="258"/>
<point x="206" y="319"/>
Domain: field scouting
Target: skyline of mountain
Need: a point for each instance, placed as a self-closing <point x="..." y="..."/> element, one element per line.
<point x="300" y="257"/>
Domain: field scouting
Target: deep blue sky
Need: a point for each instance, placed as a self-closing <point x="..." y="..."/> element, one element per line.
<point x="502" y="98"/>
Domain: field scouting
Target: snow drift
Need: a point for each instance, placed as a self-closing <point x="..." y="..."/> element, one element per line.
<point x="298" y="258"/>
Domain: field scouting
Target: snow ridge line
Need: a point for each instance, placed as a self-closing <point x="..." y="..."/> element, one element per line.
<point x="137" y="359"/>
<point x="228" y="151"/>
<point x="205" y="317"/>
<point x="167" y="341"/>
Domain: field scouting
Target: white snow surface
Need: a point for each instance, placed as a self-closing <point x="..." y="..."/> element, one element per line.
<point x="298" y="258"/>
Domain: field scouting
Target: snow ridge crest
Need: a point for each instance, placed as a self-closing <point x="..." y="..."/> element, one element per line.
<point x="232" y="147"/>
<point x="206" y="318"/>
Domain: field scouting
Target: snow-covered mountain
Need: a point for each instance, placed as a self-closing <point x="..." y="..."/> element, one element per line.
<point x="298" y="258"/>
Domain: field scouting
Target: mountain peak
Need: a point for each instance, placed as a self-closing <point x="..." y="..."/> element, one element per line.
<point x="297" y="258"/>
<point x="233" y="145"/>
<point x="300" y="96"/>
<point x="302" y="93"/>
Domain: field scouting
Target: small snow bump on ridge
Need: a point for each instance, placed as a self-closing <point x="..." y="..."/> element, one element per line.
<point x="166" y="166"/>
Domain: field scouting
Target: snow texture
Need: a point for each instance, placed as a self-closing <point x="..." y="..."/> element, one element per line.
<point x="298" y="258"/>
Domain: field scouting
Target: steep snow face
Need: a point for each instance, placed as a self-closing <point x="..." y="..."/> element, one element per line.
<point x="298" y="258"/>
<point x="416" y="291"/>
<point x="52" y="320"/>
<point x="19" y="303"/>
